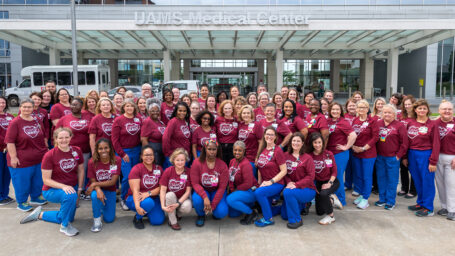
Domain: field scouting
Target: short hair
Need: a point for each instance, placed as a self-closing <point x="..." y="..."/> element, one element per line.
<point x="331" y="105"/>
<point x="98" y="106"/>
<point x="392" y="107"/>
<point x="146" y="85"/>
<point x="58" y="131"/>
<point x="262" y="94"/>
<point x="446" y="102"/>
<point x="203" y="113"/>
<point x="78" y="99"/>
<point x="224" y="103"/>
<point x="240" y="99"/>
<point x="218" y="96"/>
<point x="347" y="103"/>
<point x="248" y="107"/>
<point x="165" y="91"/>
<point x="195" y="103"/>
<point x="261" y="85"/>
<point x="300" y="135"/>
<point x="241" y="144"/>
<point x="37" y="94"/>
<point x="129" y="93"/>
<point x="57" y="100"/>
<point x="363" y="102"/>
<point x="27" y="100"/>
<point x="270" y="105"/>
<point x="275" y="95"/>
<point x="144" y="148"/>
<point x="50" y="82"/>
<point x="121" y="87"/>
<point x="329" y="91"/>
<point x="153" y="105"/>
<point x="177" y="152"/>
<point x="249" y="95"/>
<point x="359" y="93"/>
<point x="419" y="103"/>
<point x="131" y="102"/>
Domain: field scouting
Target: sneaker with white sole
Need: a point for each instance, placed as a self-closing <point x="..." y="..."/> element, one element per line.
<point x="363" y="204"/>
<point x="327" y="220"/>
<point x="38" y="201"/>
<point x="358" y="200"/>
<point x="124" y="206"/>
<point x="69" y="230"/>
<point x="451" y="216"/>
<point x="33" y="216"/>
<point x="97" y="225"/>
<point x="336" y="202"/>
<point x="25" y="207"/>
<point x="355" y="193"/>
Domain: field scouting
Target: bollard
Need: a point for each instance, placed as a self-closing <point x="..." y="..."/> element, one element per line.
<point x="402" y="90"/>
<point x="420" y="92"/>
<point x="443" y="92"/>
<point x="350" y="91"/>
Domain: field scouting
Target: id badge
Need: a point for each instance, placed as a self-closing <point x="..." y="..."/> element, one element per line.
<point x="275" y="126"/>
<point x="332" y="128"/>
<point x="235" y="124"/>
<point x="214" y="181"/>
<point x="450" y="127"/>
<point x="250" y="127"/>
<point x="113" y="168"/>
<point x="212" y="136"/>
<point x="382" y="138"/>
<point x="10" y="118"/>
<point x="75" y="155"/>
<point x="156" y="172"/>
<point x="423" y="130"/>
<point x="136" y="120"/>
<point x="328" y="162"/>
<point x="364" y="124"/>
<point x="231" y="178"/>
<point x="183" y="178"/>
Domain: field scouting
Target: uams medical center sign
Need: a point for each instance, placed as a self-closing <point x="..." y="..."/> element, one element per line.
<point x="220" y="18"/>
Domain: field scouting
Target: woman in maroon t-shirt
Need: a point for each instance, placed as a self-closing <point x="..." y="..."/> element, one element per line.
<point x="118" y="103"/>
<point x="264" y="99"/>
<point x="226" y="129"/>
<point x="167" y="106"/>
<point x="194" y="109"/>
<point x="39" y="112"/>
<point x="5" y="177"/>
<point x="291" y="119"/>
<point x="142" y="108"/>
<point x="63" y="178"/>
<point x="89" y="106"/>
<point x="152" y="132"/>
<point x="284" y="134"/>
<point x="203" y="133"/>
<point x="249" y="133"/>
<point x="101" y="124"/>
<point x="210" y="105"/>
<point x="277" y="99"/>
<point x="62" y="106"/>
<point x="316" y="121"/>
<point x="175" y="188"/>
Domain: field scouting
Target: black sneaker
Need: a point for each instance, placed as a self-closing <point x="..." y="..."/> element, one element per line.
<point x="5" y="202"/>
<point x="443" y="212"/>
<point x="200" y="221"/>
<point x="415" y="208"/>
<point x="306" y="210"/>
<point x="249" y="218"/>
<point x="424" y="213"/>
<point x="295" y="225"/>
<point x="138" y="223"/>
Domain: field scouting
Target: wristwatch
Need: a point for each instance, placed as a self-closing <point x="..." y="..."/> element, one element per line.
<point x="331" y="182"/>
<point x="150" y="193"/>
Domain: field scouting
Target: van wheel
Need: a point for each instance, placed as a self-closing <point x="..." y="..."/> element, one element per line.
<point x="13" y="101"/>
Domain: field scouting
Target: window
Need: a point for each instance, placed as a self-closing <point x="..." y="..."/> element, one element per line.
<point x="37" y="78"/>
<point x="91" y="78"/>
<point x="26" y="83"/>
<point x="181" y="86"/>
<point x="103" y="78"/>
<point x="49" y="76"/>
<point x="81" y="78"/>
<point x="4" y="45"/>
<point x="64" y="78"/>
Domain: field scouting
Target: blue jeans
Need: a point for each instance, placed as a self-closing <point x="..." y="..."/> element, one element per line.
<point x="294" y="202"/>
<point x="364" y="174"/>
<point x="221" y="209"/>
<point x="341" y="160"/>
<point x="264" y="197"/>
<point x="240" y="202"/>
<point x="423" y="178"/>
<point x="349" y="174"/>
<point x="107" y="209"/>
<point x="5" y="177"/>
<point x="67" y="207"/>
<point x="133" y="154"/>
<point x="27" y="182"/>
<point x="152" y="207"/>
<point x="387" y="172"/>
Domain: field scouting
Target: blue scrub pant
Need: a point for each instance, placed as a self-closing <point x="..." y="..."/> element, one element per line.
<point x="134" y="155"/>
<point x="255" y="170"/>
<point x="341" y="160"/>
<point x="264" y="196"/>
<point x="152" y="207"/>
<point x="107" y="209"/>
<point x="240" y="202"/>
<point x="67" y="207"/>
<point x="294" y="201"/>
<point x="364" y="174"/>
<point x="387" y="172"/>
<point x="423" y="178"/>
<point x="5" y="177"/>
<point x="221" y="209"/>
<point x="27" y="181"/>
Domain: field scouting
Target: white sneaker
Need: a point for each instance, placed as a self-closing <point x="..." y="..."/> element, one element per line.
<point x="336" y="202"/>
<point x="355" y="193"/>
<point x="327" y="220"/>
<point x="97" y="225"/>
<point x="358" y="200"/>
<point x="363" y="204"/>
<point x="124" y="206"/>
<point x="69" y="230"/>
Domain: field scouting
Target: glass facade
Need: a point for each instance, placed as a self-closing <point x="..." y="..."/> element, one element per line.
<point x="307" y="73"/>
<point x="349" y="75"/>
<point x="445" y="71"/>
<point x="223" y="63"/>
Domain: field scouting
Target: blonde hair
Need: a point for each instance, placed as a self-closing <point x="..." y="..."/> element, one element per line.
<point x="364" y="103"/>
<point x="248" y="107"/>
<point x="177" y="152"/>
<point x="58" y="131"/>
<point x="98" y="106"/>
<point x="224" y="103"/>
<point x="375" y="109"/>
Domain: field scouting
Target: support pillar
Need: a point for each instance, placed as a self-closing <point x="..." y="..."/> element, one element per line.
<point x="260" y="77"/>
<point x="113" y="76"/>
<point x="54" y="56"/>
<point x="271" y="75"/>
<point x="175" y="67"/>
<point x="186" y="69"/>
<point x="335" y="75"/>
<point x="392" y="72"/>
<point x="279" y="70"/>
<point x="167" y="65"/>
<point x="366" y="76"/>
<point x="429" y="89"/>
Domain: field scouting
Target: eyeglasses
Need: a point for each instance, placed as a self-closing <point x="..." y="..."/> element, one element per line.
<point x="206" y="118"/>
<point x="148" y="155"/>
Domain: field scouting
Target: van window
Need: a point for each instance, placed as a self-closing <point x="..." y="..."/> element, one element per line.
<point x="26" y="83"/>
<point x="49" y="76"/>
<point x="104" y="79"/>
<point x="38" y="78"/>
<point x="81" y="78"/>
<point x="181" y="86"/>
<point x="64" y="78"/>
<point x="91" y="78"/>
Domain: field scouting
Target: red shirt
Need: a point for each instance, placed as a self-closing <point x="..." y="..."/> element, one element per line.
<point x="393" y="140"/>
<point x="28" y="136"/>
<point x="101" y="126"/>
<point x="149" y="179"/>
<point x="90" y="114"/>
<point x="241" y="175"/>
<point x="142" y="116"/>
<point x="259" y="114"/>
<point x="425" y="137"/>
<point x="447" y="136"/>
<point x="300" y="171"/>
<point x="58" y="111"/>
<point x="174" y="182"/>
<point x="193" y="124"/>
<point x="166" y="112"/>
<point x="63" y="165"/>
<point x="153" y="130"/>
<point x="339" y="131"/>
<point x="201" y="103"/>
<point x="367" y="133"/>
<point x="43" y="116"/>
<point x="278" y="113"/>
<point x="316" y="124"/>
<point x="216" y="179"/>
<point x="199" y="137"/>
<point x="280" y="128"/>
<point x="295" y="125"/>
<point x="226" y="130"/>
<point x="104" y="172"/>
<point x="250" y="134"/>
<point x="176" y="135"/>
<point x="349" y="118"/>
<point x="79" y="127"/>
<point x="5" y="120"/>
<point x="302" y="110"/>
<point x="405" y="121"/>
<point x="126" y="133"/>
<point x="324" y="165"/>
<point x="269" y="162"/>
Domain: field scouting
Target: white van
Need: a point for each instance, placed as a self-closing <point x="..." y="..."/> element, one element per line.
<point x="185" y="86"/>
<point x="90" y="77"/>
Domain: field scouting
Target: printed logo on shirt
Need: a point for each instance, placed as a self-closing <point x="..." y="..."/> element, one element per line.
<point x="203" y="141"/>
<point x="332" y="128"/>
<point x="319" y="165"/>
<point x="193" y="127"/>
<point x="232" y="172"/>
<point x="259" y="117"/>
<point x="66" y="112"/>
<point x="404" y="122"/>
<point x="350" y="120"/>
<point x="161" y="129"/>
<point x="107" y="128"/>
<point x="209" y="180"/>
<point x="291" y="166"/>
<point x="243" y="134"/>
<point x="413" y="132"/>
<point x="384" y="132"/>
<point x="168" y="113"/>
<point x="226" y="128"/>
<point x="443" y="131"/>
<point x="67" y="165"/>
<point x="39" y="115"/>
<point x="103" y="175"/>
<point x="132" y="128"/>
<point x="149" y="181"/>
<point x="78" y="125"/>
<point x="32" y="130"/>
<point x="176" y="185"/>
<point x="4" y="123"/>
<point x="263" y="160"/>
<point x="186" y="132"/>
<point x="358" y="129"/>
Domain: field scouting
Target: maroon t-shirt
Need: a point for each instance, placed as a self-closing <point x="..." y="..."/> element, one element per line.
<point x="63" y="165"/>
<point x="295" y="125"/>
<point x="302" y="110"/>
<point x="149" y="179"/>
<point x="278" y="113"/>
<point x="316" y="124"/>
<point x="200" y="136"/>
<point x="300" y="170"/>
<point x="79" y="127"/>
<point x="367" y="133"/>
<point x="269" y="162"/>
<point x="201" y="103"/>
<point x="43" y="116"/>
<point x="58" y="111"/>
<point x="153" y="130"/>
<point x="28" y="136"/>
<point x="241" y="175"/>
<point x="280" y="127"/>
<point x="193" y="124"/>
<point x="250" y="134"/>
<point x="405" y="121"/>
<point x="142" y="116"/>
<point x="174" y="182"/>
<point x="166" y="112"/>
<point x="176" y="135"/>
<point x="349" y="118"/>
<point x="339" y="131"/>
<point x="104" y="172"/>
<point x="324" y="165"/>
<point x="258" y="114"/>
<point x="90" y="114"/>
<point x="101" y="126"/>
<point x="5" y="120"/>
<point x="226" y="130"/>
<point x="425" y="137"/>
<point x="393" y="140"/>
<point x="216" y="179"/>
<point x="447" y="136"/>
<point x="126" y="133"/>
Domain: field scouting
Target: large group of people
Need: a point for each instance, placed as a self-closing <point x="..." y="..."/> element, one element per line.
<point x="223" y="155"/>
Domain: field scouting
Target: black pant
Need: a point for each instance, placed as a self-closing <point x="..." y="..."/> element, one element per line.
<point x="227" y="151"/>
<point x="404" y="174"/>
<point x="375" y="179"/>
<point x="323" y="202"/>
